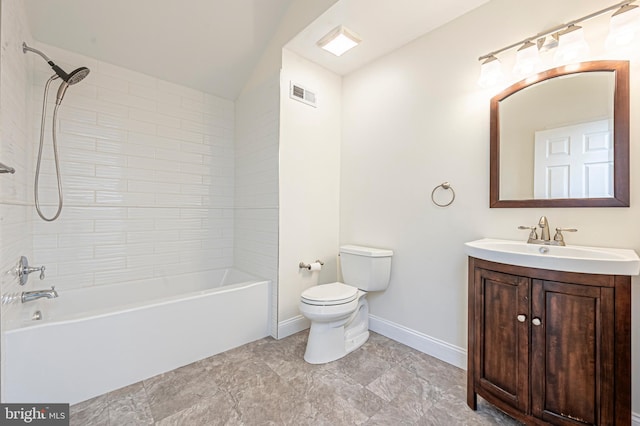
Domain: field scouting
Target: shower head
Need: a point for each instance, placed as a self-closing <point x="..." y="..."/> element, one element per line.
<point x="73" y="77"/>
<point x="77" y="75"/>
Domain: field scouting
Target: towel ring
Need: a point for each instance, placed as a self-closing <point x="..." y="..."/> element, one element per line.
<point x="443" y="185"/>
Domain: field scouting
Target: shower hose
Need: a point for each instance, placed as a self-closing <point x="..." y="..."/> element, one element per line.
<point x="55" y="153"/>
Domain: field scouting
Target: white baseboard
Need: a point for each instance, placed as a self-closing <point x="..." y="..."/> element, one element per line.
<point x="430" y="345"/>
<point x="635" y="419"/>
<point x="292" y="326"/>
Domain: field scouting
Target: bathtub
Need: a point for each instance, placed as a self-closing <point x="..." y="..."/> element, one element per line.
<point x="94" y="340"/>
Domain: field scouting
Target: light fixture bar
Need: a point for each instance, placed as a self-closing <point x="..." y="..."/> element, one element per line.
<point x="558" y="28"/>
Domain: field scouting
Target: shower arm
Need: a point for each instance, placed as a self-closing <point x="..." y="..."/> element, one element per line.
<point x="61" y="73"/>
<point x="26" y="49"/>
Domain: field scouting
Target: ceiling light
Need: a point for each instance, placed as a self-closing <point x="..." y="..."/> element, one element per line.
<point x="572" y="46"/>
<point x="490" y="72"/>
<point x="623" y="26"/>
<point x="339" y="40"/>
<point x="527" y="60"/>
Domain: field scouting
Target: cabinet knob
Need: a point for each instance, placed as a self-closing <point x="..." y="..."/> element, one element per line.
<point x="536" y="321"/>
<point x="522" y="318"/>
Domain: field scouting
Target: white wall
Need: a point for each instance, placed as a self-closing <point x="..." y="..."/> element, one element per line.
<point x="309" y="184"/>
<point x="416" y="118"/>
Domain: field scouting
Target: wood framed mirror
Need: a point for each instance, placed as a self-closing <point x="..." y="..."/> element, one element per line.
<point x="561" y="138"/>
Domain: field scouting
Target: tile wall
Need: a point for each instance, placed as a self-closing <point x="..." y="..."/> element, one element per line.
<point x="256" y="184"/>
<point x="15" y="213"/>
<point x="15" y="195"/>
<point x="148" y="177"/>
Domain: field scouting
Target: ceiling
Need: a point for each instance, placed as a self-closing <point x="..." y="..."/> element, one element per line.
<point x="214" y="45"/>
<point x="383" y="26"/>
<point x="210" y="45"/>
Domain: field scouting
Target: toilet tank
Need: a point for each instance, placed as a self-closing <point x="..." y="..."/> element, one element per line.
<point x="367" y="268"/>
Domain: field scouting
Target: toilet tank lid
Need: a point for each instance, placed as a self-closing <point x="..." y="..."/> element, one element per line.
<point x="366" y="251"/>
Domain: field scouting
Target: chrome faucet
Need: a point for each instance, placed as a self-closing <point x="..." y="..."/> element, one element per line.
<point x="545" y="236"/>
<point x="543" y="223"/>
<point x="28" y="296"/>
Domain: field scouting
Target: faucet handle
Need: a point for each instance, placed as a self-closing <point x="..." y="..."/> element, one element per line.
<point x="23" y="270"/>
<point x="559" y="237"/>
<point x="533" y="235"/>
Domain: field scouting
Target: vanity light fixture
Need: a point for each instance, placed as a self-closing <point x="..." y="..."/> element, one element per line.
<point x="527" y="59"/>
<point x="623" y="26"/>
<point x="572" y="46"/>
<point x="569" y="39"/>
<point x="339" y="40"/>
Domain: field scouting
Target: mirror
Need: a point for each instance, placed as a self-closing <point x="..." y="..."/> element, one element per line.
<point x="561" y="139"/>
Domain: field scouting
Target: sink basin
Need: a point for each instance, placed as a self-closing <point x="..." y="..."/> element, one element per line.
<point x="588" y="260"/>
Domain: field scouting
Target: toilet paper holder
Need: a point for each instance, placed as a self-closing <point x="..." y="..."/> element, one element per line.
<point x="307" y="266"/>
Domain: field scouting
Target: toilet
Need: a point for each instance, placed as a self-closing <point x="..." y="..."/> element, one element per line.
<point x="339" y="312"/>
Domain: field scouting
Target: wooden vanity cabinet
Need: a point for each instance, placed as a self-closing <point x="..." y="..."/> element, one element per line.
<point x="550" y="347"/>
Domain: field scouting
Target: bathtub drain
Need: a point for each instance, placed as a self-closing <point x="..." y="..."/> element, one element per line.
<point x="37" y="316"/>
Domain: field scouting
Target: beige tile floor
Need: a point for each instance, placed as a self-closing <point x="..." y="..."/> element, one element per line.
<point x="267" y="382"/>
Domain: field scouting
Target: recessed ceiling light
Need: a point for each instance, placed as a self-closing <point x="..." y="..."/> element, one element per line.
<point x="339" y="40"/>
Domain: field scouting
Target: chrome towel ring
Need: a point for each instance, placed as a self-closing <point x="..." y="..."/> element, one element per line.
<point x="443" y="185"/>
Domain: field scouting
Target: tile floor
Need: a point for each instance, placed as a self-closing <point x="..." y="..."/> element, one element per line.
<point x="268" y="383"/>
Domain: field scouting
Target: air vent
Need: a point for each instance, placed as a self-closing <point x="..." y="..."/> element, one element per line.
<point x="302" y="94"/>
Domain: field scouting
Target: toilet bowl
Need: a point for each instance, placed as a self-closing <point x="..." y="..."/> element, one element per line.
<point x="339" y="312"/>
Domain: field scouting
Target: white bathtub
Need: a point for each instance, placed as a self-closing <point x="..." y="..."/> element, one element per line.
<point x="93" y="340"/>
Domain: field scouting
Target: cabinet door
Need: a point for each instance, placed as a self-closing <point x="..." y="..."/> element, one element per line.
<point x="501" y="357"/>
<point x="572" y="341"/>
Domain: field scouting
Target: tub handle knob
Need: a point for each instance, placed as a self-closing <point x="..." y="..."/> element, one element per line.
<point x="23" y="270"/>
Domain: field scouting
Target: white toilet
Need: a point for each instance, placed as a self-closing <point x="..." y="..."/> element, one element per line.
<point x="339" y="313"/>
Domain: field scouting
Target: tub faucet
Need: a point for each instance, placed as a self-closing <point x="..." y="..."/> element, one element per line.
<point x="28" y="296"/>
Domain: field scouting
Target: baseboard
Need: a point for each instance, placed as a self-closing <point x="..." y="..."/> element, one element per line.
<point x="430" y="345"/>
<point x="635" y="419"/>
<point x="292" y="326"/>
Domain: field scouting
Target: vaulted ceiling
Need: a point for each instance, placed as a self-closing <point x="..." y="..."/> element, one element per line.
<point x="214" y="45"/>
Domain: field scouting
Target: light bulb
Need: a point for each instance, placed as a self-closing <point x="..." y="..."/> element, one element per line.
<point x="527" y="60"/>
<point x="623" y="26"/>
<point x="571" y="47"/>
<point x="490" y="72"/>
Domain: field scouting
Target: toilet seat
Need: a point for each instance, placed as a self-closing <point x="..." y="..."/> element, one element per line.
<point x="329" y="294"/>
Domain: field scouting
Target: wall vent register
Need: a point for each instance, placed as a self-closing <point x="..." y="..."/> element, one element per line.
<point x="302" y="94"/>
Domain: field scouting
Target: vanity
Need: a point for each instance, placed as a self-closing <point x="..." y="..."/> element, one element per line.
<point x="549" y="337"/>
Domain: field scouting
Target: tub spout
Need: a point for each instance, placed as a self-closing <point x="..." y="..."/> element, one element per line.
<point x="28" y="296"/>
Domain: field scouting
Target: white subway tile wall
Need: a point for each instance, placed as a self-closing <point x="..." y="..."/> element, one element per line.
<point x="15" y="212"/>
<point x="256" y="185"/>
<point x="148" y="175"/>
<point x="15" y="189"/>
